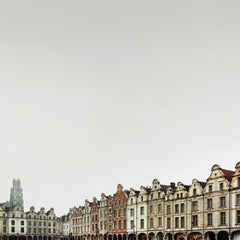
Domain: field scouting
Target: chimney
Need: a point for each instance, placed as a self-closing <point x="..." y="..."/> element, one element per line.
<point x="172" y="185"/>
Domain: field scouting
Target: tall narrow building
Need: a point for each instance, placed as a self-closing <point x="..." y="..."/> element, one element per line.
<point x="16" y="195"/>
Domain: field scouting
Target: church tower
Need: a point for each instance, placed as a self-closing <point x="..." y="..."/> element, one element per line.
<point x="16" y="196"/>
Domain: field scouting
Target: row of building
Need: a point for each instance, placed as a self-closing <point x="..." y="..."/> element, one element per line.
<point x="17" y="224"/>
<point x="203" y="210"/>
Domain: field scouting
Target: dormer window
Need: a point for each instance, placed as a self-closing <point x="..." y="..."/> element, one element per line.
<point x="221" y="186"/>
<point x="181" y="195"/>
<point x="159" y="195"/>
<point x="142" y="198"/>
<point x="131" y="200"/>
<point x="239" y="182"/>
<point x="210" y="188"/>
<point x="177" y="196"/>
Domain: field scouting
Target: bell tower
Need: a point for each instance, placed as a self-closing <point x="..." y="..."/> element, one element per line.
<point x="16" y="195"/>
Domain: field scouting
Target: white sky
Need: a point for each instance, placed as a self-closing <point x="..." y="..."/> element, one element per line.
<point x="96" y="93"/>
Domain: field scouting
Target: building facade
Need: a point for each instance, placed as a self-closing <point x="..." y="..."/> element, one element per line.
<point x="203" y="210"/>
<point x="15" y="224"/>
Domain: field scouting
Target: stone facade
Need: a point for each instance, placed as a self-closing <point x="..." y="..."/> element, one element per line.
<point x="16" y="224"/>
<point x="203" y="210"/>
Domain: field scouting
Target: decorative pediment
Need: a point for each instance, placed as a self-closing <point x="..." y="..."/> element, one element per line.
<point x="219" y="179"/>
<point x="169" y="194"/>
<point x="155" y="185"/>
<point x="195" y="189"/>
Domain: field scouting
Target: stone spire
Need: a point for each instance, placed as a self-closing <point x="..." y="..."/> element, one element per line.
<point x="16" y="196"/>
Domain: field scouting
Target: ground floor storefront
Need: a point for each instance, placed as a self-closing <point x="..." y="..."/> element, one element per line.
<point x="206" y="235"/>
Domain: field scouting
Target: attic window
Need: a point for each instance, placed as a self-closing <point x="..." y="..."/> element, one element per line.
<point x="194" y="192"/>
<point x="215" y="174"/>
<point x="155" y="186"/>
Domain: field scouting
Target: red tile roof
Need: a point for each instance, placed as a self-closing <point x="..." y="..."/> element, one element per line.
<point x="228" y="174"/>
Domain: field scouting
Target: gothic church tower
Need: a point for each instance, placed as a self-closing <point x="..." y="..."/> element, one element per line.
<point x="16" y="196"/>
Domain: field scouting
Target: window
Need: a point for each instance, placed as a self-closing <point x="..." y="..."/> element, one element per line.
<point x="115" y="213"/>
<point x="4" y="229"/>
<point x="142" y="198"/>
<point x="13" y="222"/>
<point x="141" y="210"/>
<point x="222" y="202"/>
<point x="195" y="221"/>
<point x="142" y="223"/>
<point x="194" y="192"/>
<point x="239" y="182"/>
<point x="119" y="224"/>
<point x="238" y="217"/>
<point x="13" y="229"/>
<point x="13" y="215"/>
<point x="209" y="203"/>
<point x="176" y="222"/>
<point x="4" y="222"/>
<point x="115" y="225"/>
<point x="168" y="209"/>
<point x="222" y="218"/>
<point x="110" y="228"/>
<point x="131" y="201"/>
<point x="101" y="225"/>
<point x="151" y="222"/>
<point x="176" y="208"/>
<point x="221" y="186"/>
<point x="210" y="188"/>
<point x="159" y="195"/>
<point x="238" y="199"/>
<point x="209" y="219"/>
<point x="132" y="224"/>
<point x="151" y="208"/>
<point x="159" y="207"/>
<point x="124" y="212"/>
<point x="132" y="212"/>
<point x="182" y="208"/>
<point x="22" y="222"/>
<point x="125" y="224"/>
<point x="22" y="230"/>
<point x="119" y="212"/>
<point x="182" y="222"/>
<point x="181" y="195"/>
<point x="159" y="221"/>
<point x="168" y="223"/>
<point x="194" y="205"/>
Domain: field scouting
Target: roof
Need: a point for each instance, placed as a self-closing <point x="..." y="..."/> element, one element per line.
<point x="228" y="174"/>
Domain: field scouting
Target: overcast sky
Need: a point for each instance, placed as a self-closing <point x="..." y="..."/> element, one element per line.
<point x="96" y="93"/>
